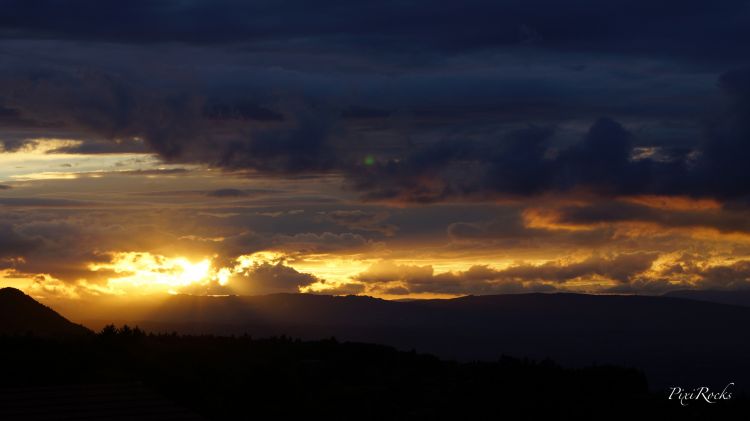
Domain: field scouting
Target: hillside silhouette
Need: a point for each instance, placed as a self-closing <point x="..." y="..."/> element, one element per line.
<point x="21" y="314"/>
<point x="281" y="378"/>
<point x="673" y="340"/>
<point x="238" y="377"/>
<point x="738" y="297"/>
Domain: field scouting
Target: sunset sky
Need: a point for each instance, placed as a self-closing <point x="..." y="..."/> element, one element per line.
<point x="392" y="149"/>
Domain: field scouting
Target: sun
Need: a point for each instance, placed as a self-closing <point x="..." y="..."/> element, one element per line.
<point x="191" y="272"/>
<point x="145" y="273"/>
<point x="148" y="273"/>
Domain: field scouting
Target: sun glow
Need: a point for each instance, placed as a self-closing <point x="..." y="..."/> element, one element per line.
<point x="150" y="273"/>
<point x="146" y="273"/>
<point x="247" y="261"/>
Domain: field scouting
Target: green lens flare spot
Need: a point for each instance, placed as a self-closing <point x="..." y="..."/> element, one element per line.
<point x="369" y="160"/>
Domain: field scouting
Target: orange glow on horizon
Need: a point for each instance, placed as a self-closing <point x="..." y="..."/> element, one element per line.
<point x="149" y="273"/>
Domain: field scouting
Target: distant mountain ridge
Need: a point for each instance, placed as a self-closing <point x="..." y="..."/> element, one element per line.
<point x="483" y="310"/>
<point x="737" y="298"/>
<point x="21" y="314"/>
<point x="672" y="339"/>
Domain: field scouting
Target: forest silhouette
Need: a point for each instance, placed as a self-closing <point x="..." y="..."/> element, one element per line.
<point x="54" y="369"/>
<point x="241" y="377"/>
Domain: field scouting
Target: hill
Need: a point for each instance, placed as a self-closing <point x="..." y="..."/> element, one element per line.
<point x="673" y="340"/>
<point x="21" y="314"/>
<point x="738" y="298"/>
<point x="245" y="378"/>
<point x="620" y="344"/>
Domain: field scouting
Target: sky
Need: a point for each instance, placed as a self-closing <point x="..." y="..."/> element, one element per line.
<point x="393" y="149"/>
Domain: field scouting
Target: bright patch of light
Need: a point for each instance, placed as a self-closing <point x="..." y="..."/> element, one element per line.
<point x="147" y="272"/>
<point x="248" y="261"/>
<point x="47" y="159"/>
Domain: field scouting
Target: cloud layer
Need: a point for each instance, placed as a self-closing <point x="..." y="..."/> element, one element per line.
<point x="391" y="148"/>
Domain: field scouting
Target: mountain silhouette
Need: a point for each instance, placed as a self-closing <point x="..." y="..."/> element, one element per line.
<point x="738" y="297"/>
<point x="617" y="352"/>
<point x="672" y="339"/>
<point x="21" y="314"/>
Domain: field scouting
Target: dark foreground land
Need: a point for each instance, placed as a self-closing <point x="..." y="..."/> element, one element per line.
<point x="53" y="369"/>
<point x="674" y="341"/>
<point x="235" y="378"/>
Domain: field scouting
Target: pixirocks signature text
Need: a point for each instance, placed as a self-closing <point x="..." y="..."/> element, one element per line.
<point x="702" y="393"/>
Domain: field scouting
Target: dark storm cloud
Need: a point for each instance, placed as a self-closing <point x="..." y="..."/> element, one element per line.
<point x="241" y="111"/>
<point x="13" y="243"/>
<point x="603" y="161"/>
<point x="726" y="149"/>
<point x="722" y="220"/>
<point x="413" y="102"/>
<point x="687" y="28"/>
<point x="103" y="147"/>
<point x="307" y="144"/>
<point x="102" y="105"/>
<point x="516" y="165"/>
<point x="13" y="145"/>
